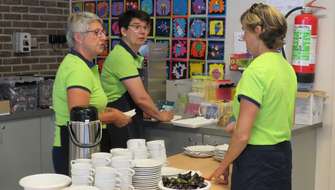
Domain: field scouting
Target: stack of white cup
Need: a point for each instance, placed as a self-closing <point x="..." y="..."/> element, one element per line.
<point x="121" y="152"/>
<point x="157" y="150"/>
<point x="138" y="147"/>
<point x="100" y="159"/>
<point x="107" y="178"/>
<point x="124" y="165"/>
<point x="82" y="172"/>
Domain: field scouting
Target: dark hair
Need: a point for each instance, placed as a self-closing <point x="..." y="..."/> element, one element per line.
<point x="273" y="23"/>
<point x="126" y="17"/>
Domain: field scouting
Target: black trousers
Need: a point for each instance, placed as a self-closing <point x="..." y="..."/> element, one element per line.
<point x="263" y="167"/>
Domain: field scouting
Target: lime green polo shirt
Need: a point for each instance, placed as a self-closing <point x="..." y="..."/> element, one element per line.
<point x="75" y="72"/>
<point x="122" y="63"/>
<point x="270" y="83"/>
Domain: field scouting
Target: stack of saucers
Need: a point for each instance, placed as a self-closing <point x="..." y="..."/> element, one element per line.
<point x="199" y="151"/>
<point x="147" y="174"/>
<point x="220" y="151"/>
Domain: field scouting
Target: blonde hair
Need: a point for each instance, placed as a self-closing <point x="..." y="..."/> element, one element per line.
<point x="79" y="22"/>
<point x="272" y="22"/>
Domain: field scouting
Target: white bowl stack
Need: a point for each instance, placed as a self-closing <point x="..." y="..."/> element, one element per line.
<point x="82" y="172"/>
<point x="138" y="147"/>
<point x="157" y="150"/>
<point x="107" y="178"/>
<point x="45" y="181"/>
<point x="200" y="151"/>
<point x="147" y="174"/>
<point x="220" y="151"/>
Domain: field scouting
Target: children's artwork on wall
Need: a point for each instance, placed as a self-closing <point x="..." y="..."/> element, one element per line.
<point x="180" y="7"/>
<point x="145" y="48"/>
<point x="198" y="7"/>
<point x="215" y="50"/>
<point x="179" y="70"/>
<point x="77" y="7"/>
<point x="163" y="26"/>
<point x="147" y="6"/>
<point x="216" y="28"/>
<point x="106" y="26"/>
<point x="179" y="48"/>
<point x="166" y="43"/>
<point x="89" y="7"/>
<point x="198" y="28"/>
<point x="152" y="26"/>
<point x="131" y="5"/>
<point x="198" y="49"/>
<point x="115" y="27"/>
<point x="117" y="7"/>
<point x="196" y="68"/>
<point x="103" y="8"/>
<point x="163" y="7"/>
<point x="179" y="26"/>
<point x="216" y="71"/>
<point x="114" y="42"/>
<point x="216" y="7"/>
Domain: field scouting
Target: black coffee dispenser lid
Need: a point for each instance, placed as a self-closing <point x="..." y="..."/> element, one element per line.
<point x="82" y="113"/>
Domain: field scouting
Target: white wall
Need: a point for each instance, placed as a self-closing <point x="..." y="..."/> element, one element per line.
<point x="324" y="80"/>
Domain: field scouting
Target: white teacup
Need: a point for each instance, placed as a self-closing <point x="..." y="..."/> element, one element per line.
<point x="135" y="143"/>
<point x="101" y="155"/>
<point x="121" y="152"/>
<point x="82" y="172"/>
<point x="99" y="162"/>
<point x="107" y="184"/>
<point x="82" y="180"/>
<point x="106" y="173"/>
<point x="81" y="165"/>
<point x="122" y="162"/>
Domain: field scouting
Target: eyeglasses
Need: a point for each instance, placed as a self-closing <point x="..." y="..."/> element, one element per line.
<point x="137" y="28"/>
<point x="98" y="33"/>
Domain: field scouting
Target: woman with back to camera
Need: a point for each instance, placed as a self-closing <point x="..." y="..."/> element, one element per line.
<point x="263" y="107"/>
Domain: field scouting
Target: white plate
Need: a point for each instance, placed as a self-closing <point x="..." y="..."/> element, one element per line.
<point x="194" y="122"/>
<point x="223" y="147"/>
<point x="171" y="171"/>
<point x="130" y="113"/>
<point x="200" y="148"/>
<point x="147" y="163"/>
<point x="197" y="154"/>
<point x="45" y="181"/>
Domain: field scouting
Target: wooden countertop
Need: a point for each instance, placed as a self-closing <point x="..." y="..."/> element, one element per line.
<point x="205" y="165"/>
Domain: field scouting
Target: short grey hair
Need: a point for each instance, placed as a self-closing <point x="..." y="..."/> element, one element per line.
<point x="79" y="22"/>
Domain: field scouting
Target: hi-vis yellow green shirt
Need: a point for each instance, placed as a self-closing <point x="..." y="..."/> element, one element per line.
<point x="75" y="72"/>
<point x="271" y="83"/>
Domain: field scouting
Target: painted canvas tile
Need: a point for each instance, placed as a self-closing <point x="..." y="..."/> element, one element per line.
<point x="147" y="6"/>
<point x="168" y="70"/>
<point x="77" y="7"/>
<point x="198" y="49"/>
<point x="117" y="7"/>
<point x="198" y="27"/>
<point x="106" y="27"/>
<point x="102" y="9"/>
<point x="163" y="7"/>
<point x="179" y="48"/>
<point x="163" y="26"/>
<point x="215" y="50"/>
<point x="178" y="70"/>
<point x="216" y="7"/>
<point x="115" y="30"/>
<point x="198" y="7"/>
<point x="179" y="27"/>
<point x="145" y="48"/>
<point x="89" y="7"/>
<point x="131" y="5"/>
<point x="152" y="27"/>
<point x="216" y="28"/>
<point x="196" y="68"/>
<point x="216" y="71"/>
<point x="180" y="7"/>
<point x="114" y="42"/>
<point x="164" y="43"/>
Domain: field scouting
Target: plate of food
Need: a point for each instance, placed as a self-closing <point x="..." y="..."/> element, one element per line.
<point x="189" y="180"/>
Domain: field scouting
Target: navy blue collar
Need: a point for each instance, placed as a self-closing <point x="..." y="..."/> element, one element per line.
<point x="125" y="46"/>
<point x="90" y="64"/>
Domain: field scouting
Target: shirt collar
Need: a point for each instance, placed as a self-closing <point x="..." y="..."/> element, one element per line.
<point x="90" y="64"/>
<point x="125" y="46"/>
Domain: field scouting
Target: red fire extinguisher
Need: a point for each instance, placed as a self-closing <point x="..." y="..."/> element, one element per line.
<point x="304" y="45"/>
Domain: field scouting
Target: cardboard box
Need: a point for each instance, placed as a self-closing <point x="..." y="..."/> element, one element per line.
<point x="4" y="107"/>
<point x="309" y="107"/>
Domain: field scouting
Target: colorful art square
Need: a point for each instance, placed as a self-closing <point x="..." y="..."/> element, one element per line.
<point x="147" y="6"/>
<point x="216" y="71"/>
<point x="178" y="70"/>
<point x="106" y="27"/>
<point x="117" y="7"/>
<point x="163" y="7"/>
<point x="102" y="9"/>
<point x="77" y="7"/>
<point x="198" y="49"/>
<point x="145" y="48"/>
<point x="215" y="50"/>
<point x="216" y="7"/>
<point x="216" y="28"/>
<point x="131" y="5"/>
<point x="114" y="42"/>
<point x="152" y="26"/>
<point x="89" y="7"/>
<point x="179" y="48"/>
<point x="196" y="68"/>
<point x="179" y="27"/>
<point x="164" y="43"/>
<point x="163" y="26"/>
<point x="197" y="28"/>
<point x="115" y="29"/>
<point x="180" y="7"/>
<point x="198" y="7"/>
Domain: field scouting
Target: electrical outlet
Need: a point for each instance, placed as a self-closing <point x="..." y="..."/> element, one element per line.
<point x="34" y="42"/>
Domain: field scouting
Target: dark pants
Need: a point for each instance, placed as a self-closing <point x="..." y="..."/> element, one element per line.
<point x="263" y="167"/>
<point x="60" y="155"/>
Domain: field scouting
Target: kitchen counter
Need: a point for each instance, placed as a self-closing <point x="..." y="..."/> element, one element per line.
<point x="205" y="165"/>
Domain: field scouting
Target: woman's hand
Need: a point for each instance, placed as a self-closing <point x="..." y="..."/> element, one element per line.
<point x="220" y="175"/>
<point x="230" y="127"/>
<point x="165" y="116"/>
<point x="116" y="117"/>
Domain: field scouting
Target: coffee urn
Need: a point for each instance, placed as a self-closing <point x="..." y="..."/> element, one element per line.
<point x="85" y="131"/>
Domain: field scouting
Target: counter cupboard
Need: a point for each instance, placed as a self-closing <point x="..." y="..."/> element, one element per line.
<point x="26" y="140"/>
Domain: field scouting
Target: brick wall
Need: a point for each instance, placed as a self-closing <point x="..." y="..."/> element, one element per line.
<point x="39" y="18"/>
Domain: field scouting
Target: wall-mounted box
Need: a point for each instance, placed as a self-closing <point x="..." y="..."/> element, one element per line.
<point x="21" y="42"/>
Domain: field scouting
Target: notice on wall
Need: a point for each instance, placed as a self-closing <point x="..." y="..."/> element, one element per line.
<point x="285" y="6"/>
<point x="239" y="43"/>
